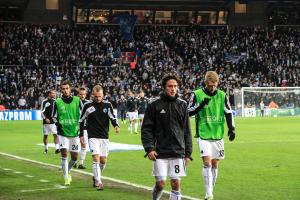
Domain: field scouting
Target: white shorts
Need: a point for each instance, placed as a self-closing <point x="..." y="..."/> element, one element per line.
<point x="70" y="143"/>
<point x="212" y="148"/>
<point x="85" y="137"/>
<point x="49" y="129"/>
<point x="141" y="116"/>
<point x="132" y="115"/>
<point x="172" y="167"/>
<point x="99" y="146"/>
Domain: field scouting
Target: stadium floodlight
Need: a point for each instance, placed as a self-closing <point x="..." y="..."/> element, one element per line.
<point x="267" y="101"/>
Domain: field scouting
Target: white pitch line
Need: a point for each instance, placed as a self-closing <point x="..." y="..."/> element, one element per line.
<point x="56" y="187"/>
<point x="43" y="181"/>
<point x="90" y="174"/>
<point x="17" y="172"/>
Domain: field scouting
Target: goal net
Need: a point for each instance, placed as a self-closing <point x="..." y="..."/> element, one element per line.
<point x="267" y="101"/>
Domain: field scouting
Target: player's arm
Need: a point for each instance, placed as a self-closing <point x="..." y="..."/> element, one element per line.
<point x="43" y="109"/>
<point x="187" y="136"/>
<point x="229" y="119"/>
<point x="147" y="134"/>
<point x="113" y="118"/>
<point x="195" y="107"/>
<point x="82" y="119"/>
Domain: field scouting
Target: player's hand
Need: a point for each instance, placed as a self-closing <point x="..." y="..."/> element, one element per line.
<point x="231" y="135"/>
<point x="152" y="155"/>
<point x="47" y="121"/>
<point x="187" y="161"/>
<point x="81" y="139"/>
<point x="117" y="129"/>
<point x="205" y="101"/>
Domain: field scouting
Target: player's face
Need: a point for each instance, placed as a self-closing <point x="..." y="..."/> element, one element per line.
<point x="82" y="94"/>
<point x="52" y="95"/>
<point x="66" y="90"/>
<point x="171" y="87"/>
<point x="211" y="86"/>
<point x="98" y="96"/>
<point x="142" y="94"/>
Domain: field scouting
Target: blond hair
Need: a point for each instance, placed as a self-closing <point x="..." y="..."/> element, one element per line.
<point x="97" y="88"/>
<point x="211" y="76"/>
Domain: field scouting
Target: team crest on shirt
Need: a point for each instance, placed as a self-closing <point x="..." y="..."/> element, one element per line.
<point x="91" y="109"/>
<point x="105" y="110"/>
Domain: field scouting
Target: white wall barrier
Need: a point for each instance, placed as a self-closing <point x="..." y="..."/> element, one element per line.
<point x="20" y="115"/>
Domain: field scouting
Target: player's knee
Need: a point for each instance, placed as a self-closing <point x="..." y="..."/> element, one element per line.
<point x="175" y="184"/>
<point x="160" y="185"/>
<point x="103" y="160"/>
<point x="207" y="164"/>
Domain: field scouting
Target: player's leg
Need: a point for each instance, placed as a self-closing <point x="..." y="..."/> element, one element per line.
<point x="218" y="153"/>
<point x="45" y="138"/>
<point x="175" y="189"/>
<point x="175" y="171"/>
<point x="136" y="122"/>
<point x="214" y="170"/>
<point x="159" y="171"/>
<point x="74" y="149"/>
<point x="83" y="142"/>
<point x="55" y="138"/>
<point x="104" y="150"/>
<point x="206" y="153"/>
<point x="94" y="144"/>
<point x="64" y="145"/>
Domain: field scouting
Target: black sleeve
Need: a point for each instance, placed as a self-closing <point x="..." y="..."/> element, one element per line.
<point x="43" y="109"/>
<point x="112" y="117"/>
<point x="228" y="114"/>
<point x="147" y="133"/>
<point x="55" y="113"/>
<point x="83" y="117"/>
<point x="194" y="107"/>
<point x="187" y="135"/>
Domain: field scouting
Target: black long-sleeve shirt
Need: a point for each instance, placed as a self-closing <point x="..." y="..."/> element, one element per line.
<point x="132" y="104"/>
<point x="97" y="116"/>
<point x="166" y="128"/>
<point x="47" y="109"/>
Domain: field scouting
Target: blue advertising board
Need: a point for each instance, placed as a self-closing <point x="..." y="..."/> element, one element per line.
<point x="20" y="115"/>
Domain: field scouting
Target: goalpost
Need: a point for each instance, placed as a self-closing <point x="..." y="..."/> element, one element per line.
<point x="268" y="101"/>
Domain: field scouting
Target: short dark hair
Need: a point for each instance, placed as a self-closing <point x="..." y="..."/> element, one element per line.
<point x="82" y="89"/>
<point x="169" y="76"/>
<point x="65" y="83"/>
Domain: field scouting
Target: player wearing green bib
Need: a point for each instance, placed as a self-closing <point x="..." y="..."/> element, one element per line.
<point x="210" y="107"/>
<point x="66" y="115"/>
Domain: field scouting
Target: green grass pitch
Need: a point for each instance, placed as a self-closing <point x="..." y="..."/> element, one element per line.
<point x="262" y="163"/>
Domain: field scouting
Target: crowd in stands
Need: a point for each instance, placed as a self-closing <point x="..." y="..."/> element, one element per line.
<point x="89" y="55"/>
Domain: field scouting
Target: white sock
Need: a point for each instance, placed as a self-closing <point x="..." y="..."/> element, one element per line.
<point x="175" y="195"/>
<point x="136" y="124"/>
<point x="214" y="172"/>
<point x="102" y="166"/>
<point x="64" y="167"/>
<point x="130" y="127"/>
<point x="97" y="172"/>
<point x="82" y="155"/>
<point x="56" y="146"/>
<point x="156" y="195"/>
<point x="208" y="180"/>
<point x="71" y="164"/>
<point x="46" y="146"/>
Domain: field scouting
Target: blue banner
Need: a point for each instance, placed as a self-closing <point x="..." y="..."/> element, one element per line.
<point x="127" y="23"/>
<point x="20" y="115"/>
